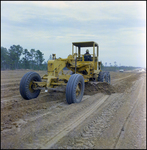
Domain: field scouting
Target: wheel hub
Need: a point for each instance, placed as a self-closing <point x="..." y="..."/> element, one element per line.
<point x="78" y="89"/>
<point x="31" y="87"/>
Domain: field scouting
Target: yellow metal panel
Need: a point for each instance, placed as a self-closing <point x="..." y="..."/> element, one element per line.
<point x="40" y="83"/>
<point x="66" y="77"/>
<point x="96" y="71"/>
<point x="57" y="65"/>
<point x="59" y="83"/>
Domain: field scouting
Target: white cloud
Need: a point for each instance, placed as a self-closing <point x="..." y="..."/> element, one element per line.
<point x="119" y="27"/>
<point x="79" y="10"/>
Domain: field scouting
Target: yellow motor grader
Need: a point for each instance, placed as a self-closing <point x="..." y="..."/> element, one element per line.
<point x="83" y="70"/>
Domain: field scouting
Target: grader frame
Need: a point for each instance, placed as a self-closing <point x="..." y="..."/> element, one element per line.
<point x="74" y="63"/>
<point x="82" y="71"/>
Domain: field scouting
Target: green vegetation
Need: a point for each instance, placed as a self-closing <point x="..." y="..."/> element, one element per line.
<point x="18" y="58"/>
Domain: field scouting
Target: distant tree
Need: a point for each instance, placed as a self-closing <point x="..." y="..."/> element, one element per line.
<point x="26" y="59"/>
<point x="39" y="58"/>
<point x="115" y="63"/>
<point x="44" y="66"/>
<point x="32" y="58"/>
<point x="105" y="63"/>
<point x="110" y="64"/>
<point x="14" y="54"/>
<point x="4" y="58"/>
<point x="10" y="59"/>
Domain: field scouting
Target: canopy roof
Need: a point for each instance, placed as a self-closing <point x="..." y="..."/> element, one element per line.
<point x="84" y="44"/>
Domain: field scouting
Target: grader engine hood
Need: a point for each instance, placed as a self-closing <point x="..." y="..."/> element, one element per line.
<point x="55" y="66"/>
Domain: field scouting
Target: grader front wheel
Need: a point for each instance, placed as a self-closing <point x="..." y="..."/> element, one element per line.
<point x="27" y="87"/>
<point x="75" y="89"/>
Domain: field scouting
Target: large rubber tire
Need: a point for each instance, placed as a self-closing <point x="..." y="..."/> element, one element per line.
<point x="108" y="78"/>
<point x="104" y="77"/>
<point x="99" y="77"/>
<point x="76" y="81"/>
<point x="26" y="89"/>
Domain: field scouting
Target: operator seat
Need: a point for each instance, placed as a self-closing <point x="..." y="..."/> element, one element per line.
<point x="87" y="57"/>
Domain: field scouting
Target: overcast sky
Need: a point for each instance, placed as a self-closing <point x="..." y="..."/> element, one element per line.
<point x="119" y="27"/>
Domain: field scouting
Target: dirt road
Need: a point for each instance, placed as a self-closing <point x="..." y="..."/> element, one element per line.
<point x="109" y="116"/>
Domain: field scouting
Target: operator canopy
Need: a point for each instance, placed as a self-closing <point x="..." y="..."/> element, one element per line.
<point x="84" y="44"/>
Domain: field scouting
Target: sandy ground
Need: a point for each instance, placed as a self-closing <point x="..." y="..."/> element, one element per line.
<point x="109" y="116"/>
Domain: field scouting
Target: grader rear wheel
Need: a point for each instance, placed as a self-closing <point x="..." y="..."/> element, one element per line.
<point x="75" y="89"/>
<point x="104" y="77"/>
<point x="108" y="77"/>
<point x="27" y="87"/>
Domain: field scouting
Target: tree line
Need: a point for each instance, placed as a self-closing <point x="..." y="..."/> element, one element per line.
<point x="18" y="58"/>
<point x="116" y="68"/>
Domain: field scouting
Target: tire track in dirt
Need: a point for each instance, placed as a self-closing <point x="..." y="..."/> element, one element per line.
<point x="62" y="115"/>
<point x="121" y="78"/>
<point x="84" y="135"/>
<point x="129" y="117"/>
<point x="18" y="97"/>
<point x="33" y="118"/>
<point x="74" y="123"/>
<point x="32" y="122"/>
<point x="128" y="99"/>
<point x="47" y="129"/>
<point x="92" y="131"/>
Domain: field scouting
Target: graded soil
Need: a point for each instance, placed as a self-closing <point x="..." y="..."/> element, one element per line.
<point x="108" y="117"/>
